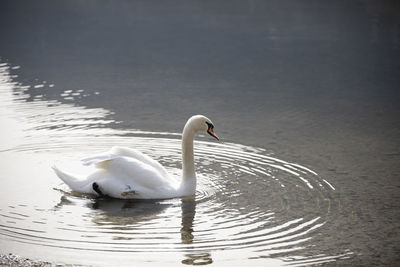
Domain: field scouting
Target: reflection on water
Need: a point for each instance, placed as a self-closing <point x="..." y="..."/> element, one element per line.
<point x="188" y="213"/>
<point x="249" y="205"/>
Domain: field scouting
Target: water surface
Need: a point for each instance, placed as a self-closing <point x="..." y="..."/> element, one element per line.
<point x="223" y="222"/>
<point x="307" y="108"/>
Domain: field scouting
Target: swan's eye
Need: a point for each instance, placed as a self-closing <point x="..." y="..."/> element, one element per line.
<point x="209" y="125"/>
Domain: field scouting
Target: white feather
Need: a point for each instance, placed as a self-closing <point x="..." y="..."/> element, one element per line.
<point x="127" y="173"/>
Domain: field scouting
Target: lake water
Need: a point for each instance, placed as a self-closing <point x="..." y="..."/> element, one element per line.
<point x="303" y="94"/>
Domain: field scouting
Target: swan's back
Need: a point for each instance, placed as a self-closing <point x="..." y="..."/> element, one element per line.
<point x="122" y="176"/>
<point x="123" y="173"/>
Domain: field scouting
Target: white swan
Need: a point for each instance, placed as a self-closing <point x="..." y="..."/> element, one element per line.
<point x="129" y="174"/>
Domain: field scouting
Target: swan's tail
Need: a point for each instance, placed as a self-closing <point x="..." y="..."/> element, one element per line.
<point x="76" y="184"/>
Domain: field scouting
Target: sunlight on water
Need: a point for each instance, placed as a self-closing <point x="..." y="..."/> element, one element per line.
<point x="249" y="208"/>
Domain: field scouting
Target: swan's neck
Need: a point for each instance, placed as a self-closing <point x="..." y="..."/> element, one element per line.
<point x="188" y="184"/>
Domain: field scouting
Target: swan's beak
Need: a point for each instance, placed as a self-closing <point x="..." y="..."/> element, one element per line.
<point x="211" y="132"/>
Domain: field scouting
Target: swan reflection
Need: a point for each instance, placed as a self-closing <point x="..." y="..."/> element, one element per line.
<point x="133" y="221"/>
<point x="188" y="213"/>
<point x="125" y="213"/>
<point x="187" y="234"/>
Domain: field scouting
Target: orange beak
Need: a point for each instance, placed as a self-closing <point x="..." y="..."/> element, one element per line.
<point x="211" y="132"/>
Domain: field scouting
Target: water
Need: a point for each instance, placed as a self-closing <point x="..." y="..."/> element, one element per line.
<point x="307" y="108"/>
<point x="222" y="217"/>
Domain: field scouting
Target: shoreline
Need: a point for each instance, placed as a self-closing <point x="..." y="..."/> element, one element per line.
<point x="13" y="260"/>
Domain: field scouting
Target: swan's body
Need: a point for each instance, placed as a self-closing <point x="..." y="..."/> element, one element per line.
<point x="127" y="173"/>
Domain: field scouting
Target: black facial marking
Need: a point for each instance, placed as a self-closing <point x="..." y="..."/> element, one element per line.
<point x="210" y="126"/>
<point x="210" y="130"/>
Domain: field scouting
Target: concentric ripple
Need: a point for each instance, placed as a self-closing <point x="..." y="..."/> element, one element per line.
<point x="249" y="206"/>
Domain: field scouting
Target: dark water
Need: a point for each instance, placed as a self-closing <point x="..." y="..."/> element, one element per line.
<point x="305" y="95"/>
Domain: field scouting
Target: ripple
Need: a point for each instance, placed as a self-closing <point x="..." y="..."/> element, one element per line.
<point x="245" y="201"/>
<point x="249" y="205"/>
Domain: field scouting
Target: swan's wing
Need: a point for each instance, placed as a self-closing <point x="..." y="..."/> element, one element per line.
<point x="136" y="154"/>
<point x="98" y="158"/>
<point x="116" y="152"/>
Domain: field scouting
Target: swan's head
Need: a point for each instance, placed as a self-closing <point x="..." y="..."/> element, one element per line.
<point x="200" y="123"/>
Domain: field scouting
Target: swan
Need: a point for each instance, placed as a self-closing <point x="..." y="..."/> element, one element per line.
<point x="127" y="173"/>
